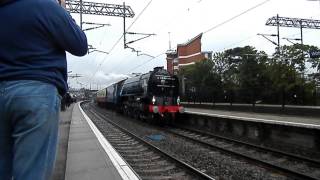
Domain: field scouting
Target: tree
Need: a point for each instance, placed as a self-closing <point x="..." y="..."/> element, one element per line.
<point x="246" y="75"/>
<point x="201" y="78"/>
<point x="289" y="73"/>
<point x="242" y="70"/>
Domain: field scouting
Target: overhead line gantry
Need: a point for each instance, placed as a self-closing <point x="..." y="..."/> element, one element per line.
<point x="92" y="8"/>
<point x="104" y="9"/>
<point x="293" y="22"/>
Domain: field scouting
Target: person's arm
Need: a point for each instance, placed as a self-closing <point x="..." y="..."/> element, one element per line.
<point x="64" y="30"/>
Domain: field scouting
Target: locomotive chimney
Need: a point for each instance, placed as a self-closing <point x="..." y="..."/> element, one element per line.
<point x="158" y="68"/>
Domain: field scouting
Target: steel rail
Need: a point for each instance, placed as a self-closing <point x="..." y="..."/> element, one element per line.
<point x="301" y="158"/>
<point x="193" y="170"/>
<point x="277" y="168"/>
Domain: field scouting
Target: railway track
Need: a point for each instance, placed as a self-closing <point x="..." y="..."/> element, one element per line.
<point x="148" y="161"/>
<point x="291" y="165"/>
<point x="276" y="162"/>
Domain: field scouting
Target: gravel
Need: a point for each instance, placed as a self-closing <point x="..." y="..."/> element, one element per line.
<point x="213" y="163"/>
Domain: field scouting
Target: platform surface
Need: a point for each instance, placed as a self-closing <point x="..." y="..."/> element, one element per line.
<point x="290" y="120"/>
<point x="64" y="128"/>
<point x="87" y="158"/>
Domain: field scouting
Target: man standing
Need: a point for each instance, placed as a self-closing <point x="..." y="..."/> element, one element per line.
<point x="34" y="36"/>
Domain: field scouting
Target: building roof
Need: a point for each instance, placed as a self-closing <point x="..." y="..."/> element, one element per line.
<point x="190" y="41"/>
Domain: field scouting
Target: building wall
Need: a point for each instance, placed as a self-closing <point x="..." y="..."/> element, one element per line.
<point x="190" y="52"/>
<point x="190" y="59"/>
<point x="170" y="65"/>
<point x="186" y="54"/>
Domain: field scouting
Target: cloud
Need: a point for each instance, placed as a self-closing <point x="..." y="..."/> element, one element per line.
<point x="184" y="19"/>
<point x="112" y="77"/>
<point x="99" y="81"/>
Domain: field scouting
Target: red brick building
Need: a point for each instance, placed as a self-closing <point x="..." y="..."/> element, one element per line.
<point x="186" y="54"/>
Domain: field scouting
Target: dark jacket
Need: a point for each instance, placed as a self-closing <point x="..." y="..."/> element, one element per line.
<point x="34" y="36"/>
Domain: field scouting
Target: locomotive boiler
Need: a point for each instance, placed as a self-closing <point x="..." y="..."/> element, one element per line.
<point x="154" y="95"/>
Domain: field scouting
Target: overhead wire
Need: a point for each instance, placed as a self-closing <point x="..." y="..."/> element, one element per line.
<point x="102" y="61"/>
<point x="210" y="29"/>
<point x="175" y="16"/>
<point x="130" y="26"/>
<point x="236" y="43"/>
<point x="295" y="34"/>
<point x="122" y="61"/>
<point x="236" y="16"/>
<point x="146" y="62"/>
<point x="140" y="14"/>
<point x="117" y="42"/>
<point x="216" y="26"/>
<point x="239" y="42"/>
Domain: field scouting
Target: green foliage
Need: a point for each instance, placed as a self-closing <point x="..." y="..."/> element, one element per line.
<point x="201" y="77"/>
<point x="294" y="56"/>
<point x="246" y="75"/>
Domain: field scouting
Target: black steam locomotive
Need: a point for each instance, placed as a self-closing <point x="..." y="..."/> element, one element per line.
<point x="146" y="96"/>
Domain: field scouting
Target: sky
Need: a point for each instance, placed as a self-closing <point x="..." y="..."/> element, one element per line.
<point x="181" y="20"/>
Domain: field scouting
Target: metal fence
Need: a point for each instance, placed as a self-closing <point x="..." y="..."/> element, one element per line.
<point x="294" y="96"/>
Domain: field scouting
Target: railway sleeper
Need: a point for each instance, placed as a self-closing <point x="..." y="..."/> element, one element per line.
<point x="160" y="171"/>
<point x="117" y="136"/>
<point x="151" y="166"/>
<point x="125" y="144"/>
<point x="138" y="160"/>
<point x="130" y="147"/>
<point x="146" y="154"/>
<point x="117" y="141"/>
<point x="278" y="160"/>
<point x="121" y="139"/>
<point x="132" y="151"/>
<point x="142" y="164"/>
<point x="179" y="175"/>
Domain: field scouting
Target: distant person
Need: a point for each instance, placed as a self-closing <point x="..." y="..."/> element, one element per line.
<point x="34" y="36"/>
<point x="63" y="103"/>
<point x="68" y="100"/>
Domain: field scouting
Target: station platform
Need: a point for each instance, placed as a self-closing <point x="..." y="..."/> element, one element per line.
<point x="86" y="154"/>
<point x="288" y="120"/>
<point x="291" y="110"/>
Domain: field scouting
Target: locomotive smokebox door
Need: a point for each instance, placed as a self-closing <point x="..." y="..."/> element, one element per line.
<point x="163" y="81"/>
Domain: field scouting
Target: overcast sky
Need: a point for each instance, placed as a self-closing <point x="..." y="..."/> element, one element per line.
<point x="184" y="19"/>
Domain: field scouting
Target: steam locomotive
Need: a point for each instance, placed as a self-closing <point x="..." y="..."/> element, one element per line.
<point x="154" y="95"/>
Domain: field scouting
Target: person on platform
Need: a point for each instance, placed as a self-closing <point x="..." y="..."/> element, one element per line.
<point x="34" y="36"/>
<point x="68" y="99"/>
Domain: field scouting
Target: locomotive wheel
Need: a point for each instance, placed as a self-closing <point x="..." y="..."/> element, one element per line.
<point x="140" y="117"/>
<point x="150" y="118"/>
<point x="136" y="114"/>
<point x="144" y="116"/>
<point x="173" y="118"/>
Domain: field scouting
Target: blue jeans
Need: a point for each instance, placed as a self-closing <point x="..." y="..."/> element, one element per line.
<point x="29" y="118"/>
